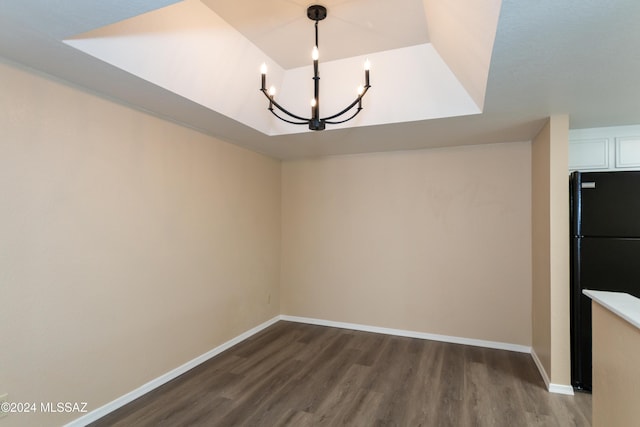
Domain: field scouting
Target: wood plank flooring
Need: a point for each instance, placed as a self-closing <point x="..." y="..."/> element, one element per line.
<point x="293" y="374"/>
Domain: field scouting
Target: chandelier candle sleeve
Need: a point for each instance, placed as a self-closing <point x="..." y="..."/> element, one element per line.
<point x="316" y="13"/>
<point x="367" y="67"/>
<point x="263" y="72"/>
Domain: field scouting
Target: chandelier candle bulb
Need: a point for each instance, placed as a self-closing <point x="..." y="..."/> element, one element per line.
<point x="315" y="53"/>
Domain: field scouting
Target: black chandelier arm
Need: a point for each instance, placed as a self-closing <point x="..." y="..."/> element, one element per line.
<point x="331" y="122"/>
<point x="287" y="120"/>
<point x="358" y="100"/>
<point x="279" y="107"/>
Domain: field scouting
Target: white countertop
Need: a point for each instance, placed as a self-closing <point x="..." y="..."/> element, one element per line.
<point x="624" y="305"/>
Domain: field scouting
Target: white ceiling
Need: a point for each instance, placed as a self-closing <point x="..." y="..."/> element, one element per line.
<point x="578" y="57"/>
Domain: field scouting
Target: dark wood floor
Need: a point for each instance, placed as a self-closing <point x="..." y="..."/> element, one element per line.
<point x="294" y="374"/>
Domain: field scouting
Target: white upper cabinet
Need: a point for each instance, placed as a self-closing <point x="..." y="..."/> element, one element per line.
<point x="610" y="148"/>
<point x="628" y="152"/>
<point x="589" y="154"/>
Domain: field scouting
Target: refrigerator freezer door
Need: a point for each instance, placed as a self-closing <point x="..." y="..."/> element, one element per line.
<point x="608" y="204"/>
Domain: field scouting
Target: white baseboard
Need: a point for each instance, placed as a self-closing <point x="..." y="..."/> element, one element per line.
<point x="551" y="387"/>
<point x="543" y="372"/>
<point x="561" y="389"/>
<point x="410" y="334"/>
<point x="165" y="378"/>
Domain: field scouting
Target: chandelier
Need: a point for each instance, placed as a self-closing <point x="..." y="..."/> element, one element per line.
<point x="315" y="13"/>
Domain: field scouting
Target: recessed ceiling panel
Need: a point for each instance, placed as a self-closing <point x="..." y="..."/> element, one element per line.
<point x="190" y="50"/>
<point x="281" y="29"/>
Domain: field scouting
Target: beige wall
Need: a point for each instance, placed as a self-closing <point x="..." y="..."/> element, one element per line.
<point x="550" y="249"/>
<point x="434" y="241"/>
<point x="616" y="372"/>
<point x="128" y="245"/>
<point x="540" y="249"/>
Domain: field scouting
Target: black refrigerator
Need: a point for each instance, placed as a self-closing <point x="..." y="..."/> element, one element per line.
<point x="605" y="252"/>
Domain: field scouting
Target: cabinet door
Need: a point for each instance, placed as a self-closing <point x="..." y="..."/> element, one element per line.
<point x="589" y="154"/>
<point x="628" y="152"/>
